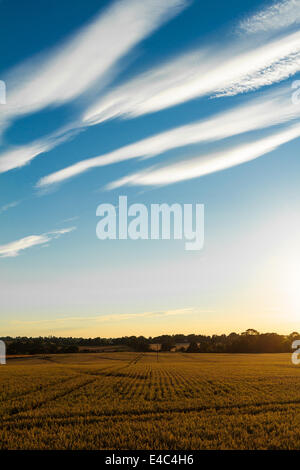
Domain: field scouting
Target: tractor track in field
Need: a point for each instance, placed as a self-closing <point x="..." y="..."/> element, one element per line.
<point x="135" y="360"/>
<point x="252" y="409"/>
<point x="17" y="411"/>
<point x="38" y="388"/>
<point x="107" y="372"/>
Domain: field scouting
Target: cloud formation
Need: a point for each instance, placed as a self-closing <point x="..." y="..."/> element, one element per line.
<point x="14" y="248"/>
<point x="8" y="206"/>
<point x="116" y="317"/>
<point x="18" y="156"/>
<point x="204" y="165"/>
<point x="237" y="68"/>
<point x="89" y="56"/>
<point x="266" y="111"/>
<point x="87" y="60"/>
<point x="273" y="18"/>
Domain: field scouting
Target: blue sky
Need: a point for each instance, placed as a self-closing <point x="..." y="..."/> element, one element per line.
<point x="204" y="91"/>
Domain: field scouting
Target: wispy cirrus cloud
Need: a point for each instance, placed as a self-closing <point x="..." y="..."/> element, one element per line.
<point x="115" y="317"/>
<point x="14" y="248"/>
<point x="240" y="67"/>
<point x="266" y="111"/>
<point x="87" y="60"/>
<point x="204" y="165"/>
<point x="235" y="69"/>
<point x="18" y="156"/>
<point x="279" y="15"/>
<point x="88" y="57"/>
<point x="8" y="206"/>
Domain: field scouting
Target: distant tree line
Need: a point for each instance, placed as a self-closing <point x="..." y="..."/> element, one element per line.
<point x="49" y="345"/>
<point x="250" y="341"/>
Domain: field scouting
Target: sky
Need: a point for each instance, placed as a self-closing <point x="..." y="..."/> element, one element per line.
<point x="180" y="101"/>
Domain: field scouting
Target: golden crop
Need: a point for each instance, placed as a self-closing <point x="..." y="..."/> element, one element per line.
<point x="131" y="401"/>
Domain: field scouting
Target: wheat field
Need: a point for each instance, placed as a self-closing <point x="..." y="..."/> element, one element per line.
<point x="132" y="401"/>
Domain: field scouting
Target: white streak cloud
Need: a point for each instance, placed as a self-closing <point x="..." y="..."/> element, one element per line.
<point x="215" y="71"/>
<point x="204" y="165"/>
<point x="8" y="206"/>
<point x="116" y="317"/>
<point x="18" y="156"/>
<point x="273" y="18"/>
<point x="89" y="56"/>
<point x="269" y="110"/>
<point x="14" y="248"/>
